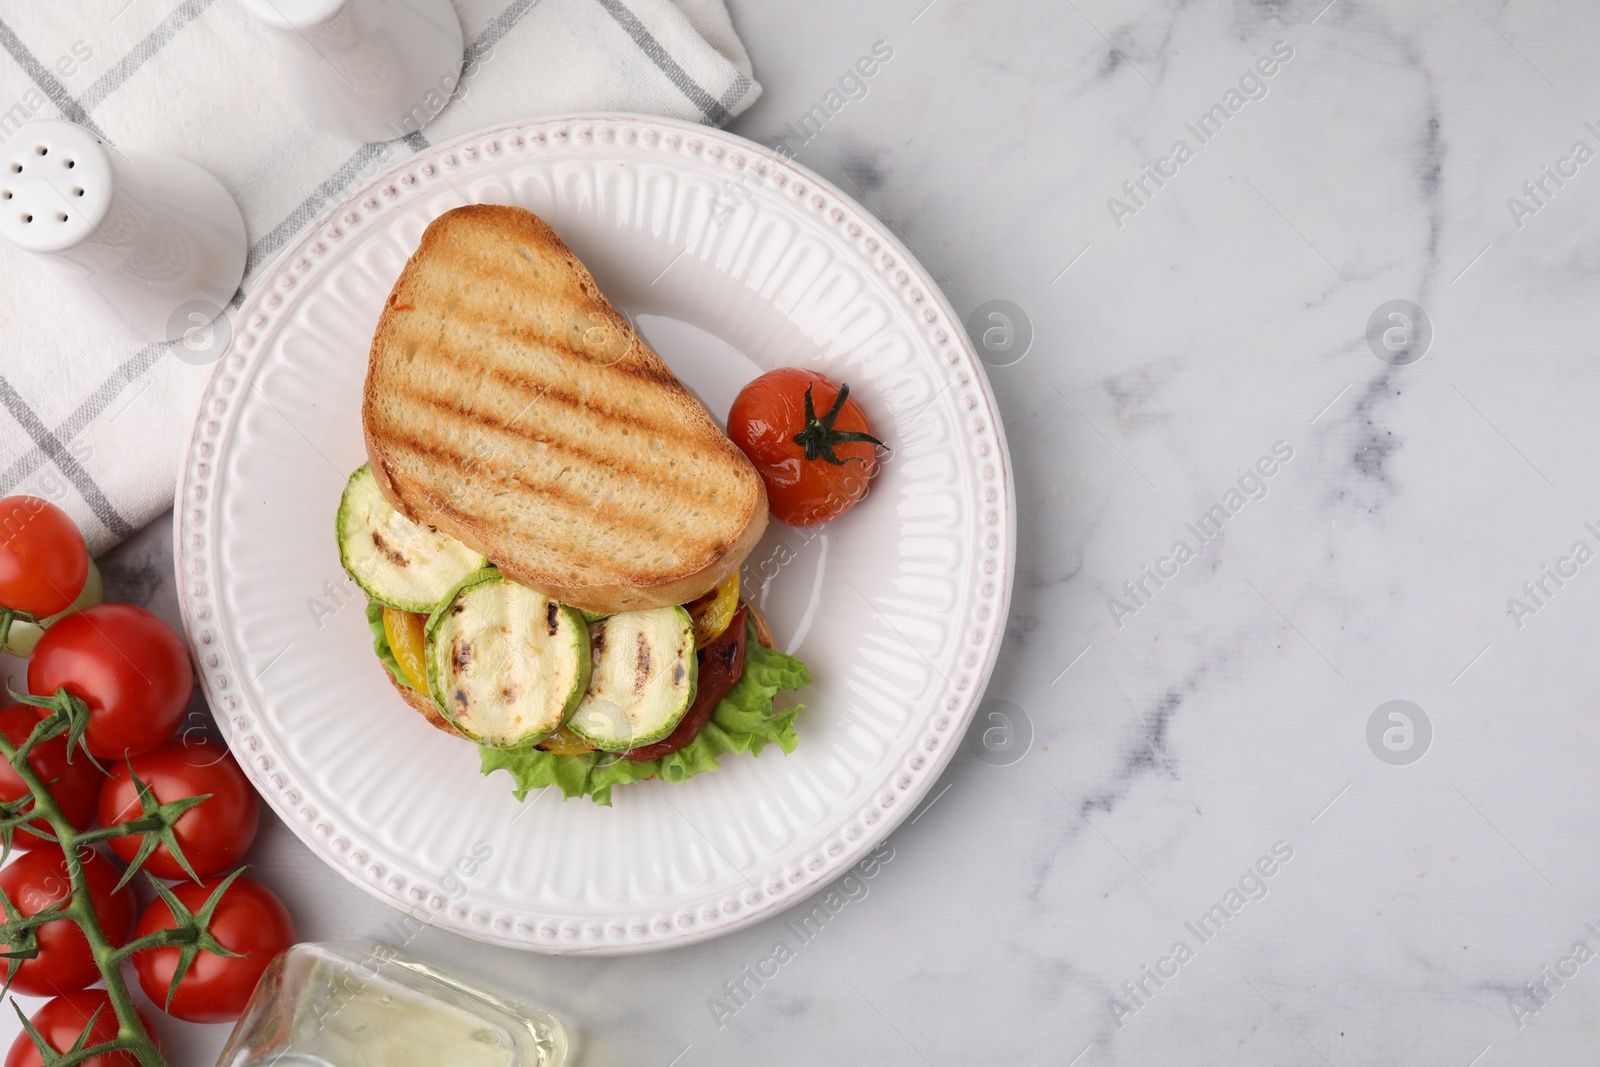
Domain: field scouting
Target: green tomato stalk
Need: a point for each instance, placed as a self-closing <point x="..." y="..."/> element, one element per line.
<point x="10" y="618"/>
<point x="69" y="715"/>
<point x="20" y="632"/>
<point x="819" y="436"/>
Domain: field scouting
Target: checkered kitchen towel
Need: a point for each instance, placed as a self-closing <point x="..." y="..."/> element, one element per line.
<point x="97" y="423"/>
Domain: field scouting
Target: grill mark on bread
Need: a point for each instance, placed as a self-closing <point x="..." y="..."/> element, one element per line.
<point x="652" y="371"/>
<point x="486" y="317"/>
<point x="582" y="505"/>
<point x="591" y="312"/>
<point x="593" y="403"/>
<point x="486" y="320"/>
<point x="683" y="481"/>
<point x="442" y="453"/>
<point x="586" y="506"/>
<point x="675" y="475"/>
<point x="470" y="523"/>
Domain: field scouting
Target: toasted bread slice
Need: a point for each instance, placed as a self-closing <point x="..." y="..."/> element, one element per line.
<point x="423" y="705"/>
<point x="509" y="405"/>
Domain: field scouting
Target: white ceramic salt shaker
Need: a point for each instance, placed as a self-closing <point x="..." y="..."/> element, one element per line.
<point x="369" y="70"/>
<point x="154" y="243"/>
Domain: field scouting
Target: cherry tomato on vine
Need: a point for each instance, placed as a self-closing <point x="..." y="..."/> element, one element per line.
<point x="63" y="1019"/>
<point x="809" y="441"/>
<point x="43" y="561"/>
<point x="34" y="881"/>
<point x="127" y="665"/>
<point x="75" y="786"/>
<point x="249" y="919"/>
<point x="214" y="834"/>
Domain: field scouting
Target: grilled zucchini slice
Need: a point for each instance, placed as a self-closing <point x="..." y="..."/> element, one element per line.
<point x="394" y="560"/>
<point x="642" y="681"/>
<point x="506" y="664"/>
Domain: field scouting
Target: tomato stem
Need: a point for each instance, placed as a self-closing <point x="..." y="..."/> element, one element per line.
<point x="9" y="616"/>
<point x="132" y="1037"/>
<point x="66" y="710"/>
<point x="122" y="829"/>
<point x="168" y="938"/>
<point x="818" y="437"/>
<point x="85" y="1055"/>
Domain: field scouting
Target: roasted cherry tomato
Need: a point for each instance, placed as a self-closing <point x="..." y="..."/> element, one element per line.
<point x="62" y="1020"/>
<point x="721" y="663"/>
<point x="75" y="786"/>
<point x="249" y="919"/>
<point x="127" y="665"/>
<point x="214" y="834"/>
<point x="34" y="881"/>
<point x="815" y="466"/>
<point x="43" y="561"/>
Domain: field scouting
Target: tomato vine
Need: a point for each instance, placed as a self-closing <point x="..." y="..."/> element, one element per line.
<point x="65" y="714"/>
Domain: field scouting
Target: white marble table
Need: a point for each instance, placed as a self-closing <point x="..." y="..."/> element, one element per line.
<point x="1198" y="851"/>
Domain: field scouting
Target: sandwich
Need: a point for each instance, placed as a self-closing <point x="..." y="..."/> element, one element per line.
<point x="549" y="527"/>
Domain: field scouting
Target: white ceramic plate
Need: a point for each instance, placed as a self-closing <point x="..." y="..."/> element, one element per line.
<point x="897" y="609"/>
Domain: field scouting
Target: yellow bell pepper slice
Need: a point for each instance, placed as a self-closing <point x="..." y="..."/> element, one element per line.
<point x="712" y="612"/>
<point x="404" y="631"/>
<point x="565" y="743"/>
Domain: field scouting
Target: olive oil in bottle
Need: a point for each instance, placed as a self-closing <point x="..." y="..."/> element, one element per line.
<point x="333" y="1005"/>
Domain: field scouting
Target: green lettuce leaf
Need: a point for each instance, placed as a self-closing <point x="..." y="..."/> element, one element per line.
<point x="380" y="644"/>
<point x="744" y="721"/>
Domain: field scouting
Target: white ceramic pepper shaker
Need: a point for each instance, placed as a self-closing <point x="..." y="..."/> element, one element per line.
<point x="154" y="243"/>
<point x="369" y="70"/>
